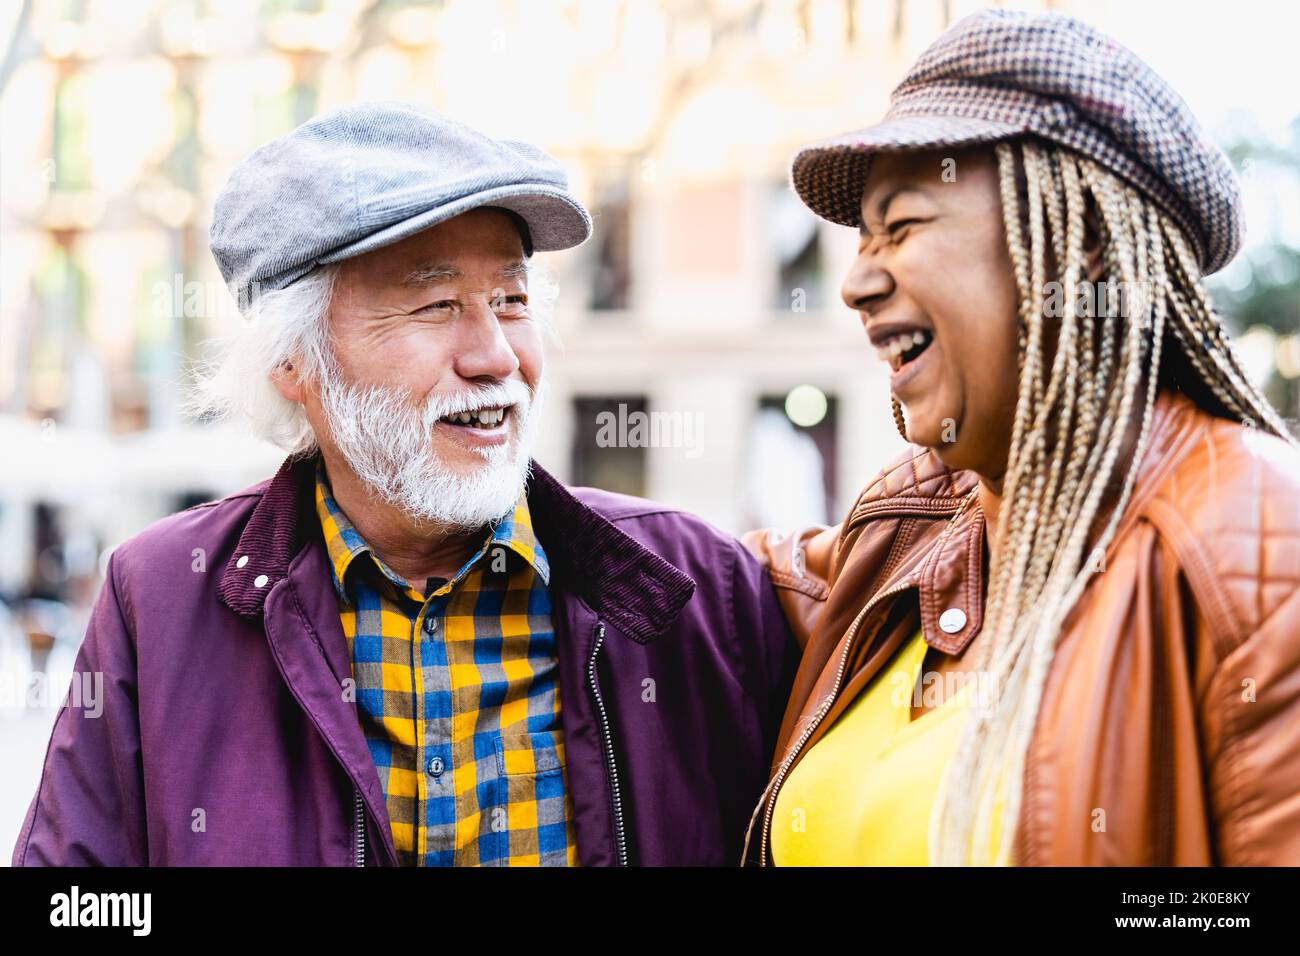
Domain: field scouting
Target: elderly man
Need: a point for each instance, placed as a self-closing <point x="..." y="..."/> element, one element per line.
<point x="411" y="645"/>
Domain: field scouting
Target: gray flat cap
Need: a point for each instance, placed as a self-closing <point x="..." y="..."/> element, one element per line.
<point x="366" y="176"/>
<point x="999" y="74"/>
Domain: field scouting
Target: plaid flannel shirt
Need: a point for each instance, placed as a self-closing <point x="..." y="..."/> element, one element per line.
<point x="457" y="693"/>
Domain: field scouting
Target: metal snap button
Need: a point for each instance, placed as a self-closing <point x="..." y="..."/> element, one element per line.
<point x="952" y="620"/>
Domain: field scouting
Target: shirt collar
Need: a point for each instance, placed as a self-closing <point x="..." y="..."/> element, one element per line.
<point x="345" y="546"/>
<point x="590" y="557"/>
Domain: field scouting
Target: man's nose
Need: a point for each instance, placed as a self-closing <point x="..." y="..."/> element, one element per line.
<point x="867" y="284"/>
<point x="482" y="349"/>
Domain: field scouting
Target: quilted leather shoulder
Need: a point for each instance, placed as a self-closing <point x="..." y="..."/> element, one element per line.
<point x="914" y="477"/>
<point x="1232" y="507"/>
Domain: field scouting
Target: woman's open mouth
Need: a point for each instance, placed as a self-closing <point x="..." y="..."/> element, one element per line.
<point x="903" y="348"/>
<point x="903" y="345"/>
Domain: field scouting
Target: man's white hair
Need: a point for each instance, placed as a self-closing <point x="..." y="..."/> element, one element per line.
<point x="291" y="325"/>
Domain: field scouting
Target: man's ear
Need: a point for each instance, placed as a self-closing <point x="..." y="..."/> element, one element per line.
<point x="287" y="382"/>
<point x="1094" y="256"/>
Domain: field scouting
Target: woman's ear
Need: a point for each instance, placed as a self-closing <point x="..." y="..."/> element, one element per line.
<point x="1094" y="255"/>
<point x="287" y="382"/>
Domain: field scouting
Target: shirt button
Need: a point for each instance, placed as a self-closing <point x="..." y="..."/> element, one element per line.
<point x="435" y="766"/>
<point x="952" y="620"/>
<point x="430" y="624"/>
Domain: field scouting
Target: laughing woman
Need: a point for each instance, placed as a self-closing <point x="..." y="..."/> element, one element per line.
<point x="1063" y="627"/>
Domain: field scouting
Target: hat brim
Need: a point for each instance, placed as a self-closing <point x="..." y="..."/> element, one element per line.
<point x="829" y="176"/>
<point x="555" y="220"/>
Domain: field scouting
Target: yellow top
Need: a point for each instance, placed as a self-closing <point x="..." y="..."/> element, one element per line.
<point x="862" y="795"/>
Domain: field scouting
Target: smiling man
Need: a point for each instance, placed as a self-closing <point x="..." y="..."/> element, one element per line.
<point x="411" y="645"/>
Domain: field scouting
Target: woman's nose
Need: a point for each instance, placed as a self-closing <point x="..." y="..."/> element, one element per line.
<point x="866" y="284"/>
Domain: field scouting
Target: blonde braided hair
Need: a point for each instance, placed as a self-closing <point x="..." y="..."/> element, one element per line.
<point x="1070" y="425"/>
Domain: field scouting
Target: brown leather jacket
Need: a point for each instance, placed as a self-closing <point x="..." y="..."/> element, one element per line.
<point x="1173" y="701"/>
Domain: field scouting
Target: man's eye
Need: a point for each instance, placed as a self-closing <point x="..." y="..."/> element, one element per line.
<point x="510" y="304"/>
<point x="898" y="224"/>
<point x="443" y="305"/>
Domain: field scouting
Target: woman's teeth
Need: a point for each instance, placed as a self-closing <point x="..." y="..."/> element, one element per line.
<point x="480" y="418"/>
<point x="902" y="348"/>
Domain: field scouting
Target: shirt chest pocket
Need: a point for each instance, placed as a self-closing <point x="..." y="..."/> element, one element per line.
<point x="529" y="823"/>
<point x="520" y="753"/>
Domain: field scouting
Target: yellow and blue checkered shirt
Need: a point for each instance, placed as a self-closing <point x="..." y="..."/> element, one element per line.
<point x="458" y="696"/>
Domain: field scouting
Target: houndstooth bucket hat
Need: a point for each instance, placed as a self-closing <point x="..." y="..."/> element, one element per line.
<point x="999" y="74"/>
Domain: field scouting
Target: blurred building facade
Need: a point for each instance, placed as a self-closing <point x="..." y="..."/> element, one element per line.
<point x="705" y="310"/>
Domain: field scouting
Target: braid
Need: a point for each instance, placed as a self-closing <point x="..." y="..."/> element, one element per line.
<point x="1020" y="267"/>
<point x="1203" y="324"/>
<point x="1025" y="442"/>
<point x="1069" y="429"/>
<point x="899" y="422"/>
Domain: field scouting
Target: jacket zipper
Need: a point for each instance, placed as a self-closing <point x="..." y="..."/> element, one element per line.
<point x="607" y="742"/>
<point x="359" y="829"/>
<point x="827" y="703"/>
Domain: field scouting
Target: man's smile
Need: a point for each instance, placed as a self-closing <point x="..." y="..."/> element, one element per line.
<point x="482" y="419"/>
<point x="480" y="428"/>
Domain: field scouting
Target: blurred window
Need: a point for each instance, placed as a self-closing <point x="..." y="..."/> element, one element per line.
<point x="182" y="163"/>
<point x="607" y="452"/>
<point x="71" y="158"/>
<point x="792" y="490"/>
<point x="793" y="239"/>
<point x="611" y="277"/>
<point x="62" y="286"/>
<point x="48" y="574"/>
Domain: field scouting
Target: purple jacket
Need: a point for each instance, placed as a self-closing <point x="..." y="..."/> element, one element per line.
<point x="225" y="736"/>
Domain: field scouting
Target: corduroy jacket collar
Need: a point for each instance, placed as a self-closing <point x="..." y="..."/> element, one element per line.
<point x="618" y="578"/>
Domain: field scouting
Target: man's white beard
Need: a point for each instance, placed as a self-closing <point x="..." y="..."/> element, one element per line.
<point x="387" y="441"/>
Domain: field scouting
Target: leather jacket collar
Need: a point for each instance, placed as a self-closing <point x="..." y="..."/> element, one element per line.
<point x="950" y="575"/>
